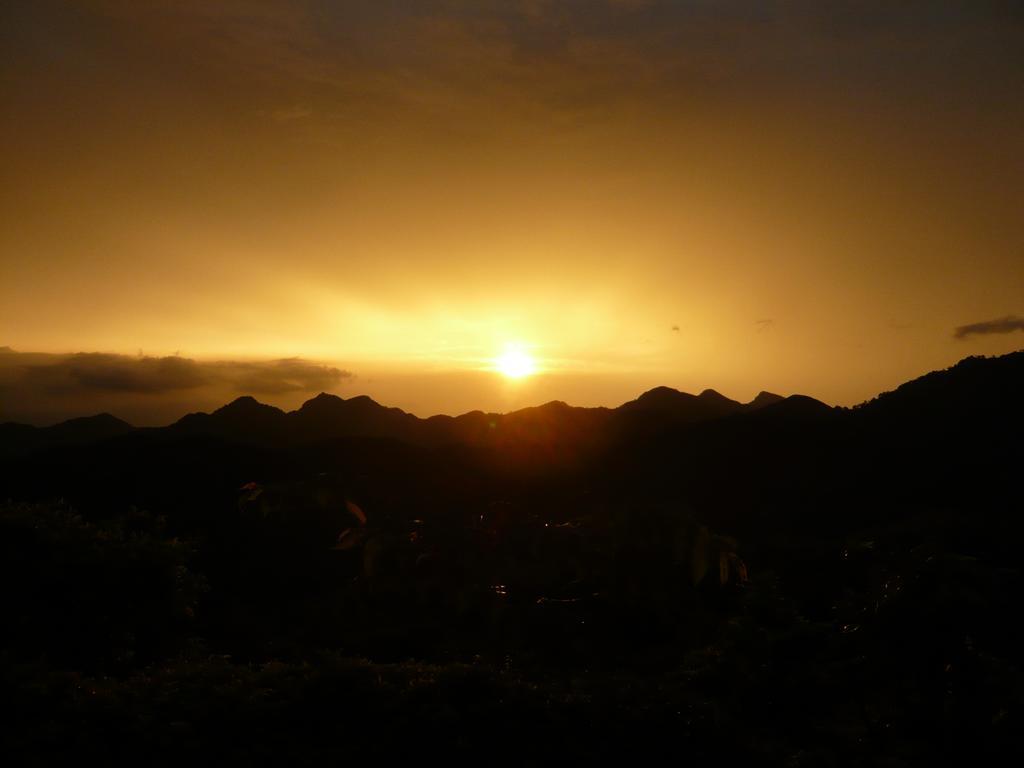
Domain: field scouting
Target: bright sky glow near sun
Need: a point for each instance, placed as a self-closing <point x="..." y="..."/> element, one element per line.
<point x="515" y="362"/>
<point x="798" y="197"/>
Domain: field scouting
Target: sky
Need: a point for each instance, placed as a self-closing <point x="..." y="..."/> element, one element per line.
<point x="207" y="198"/>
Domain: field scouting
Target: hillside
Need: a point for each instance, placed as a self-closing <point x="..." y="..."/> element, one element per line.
<point x="795" y="578"/>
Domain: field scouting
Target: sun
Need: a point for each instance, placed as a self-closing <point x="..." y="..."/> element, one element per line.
<point x="515" y="362"/>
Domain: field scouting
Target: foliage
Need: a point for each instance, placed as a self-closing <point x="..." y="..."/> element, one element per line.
<point x="92" y="596"/>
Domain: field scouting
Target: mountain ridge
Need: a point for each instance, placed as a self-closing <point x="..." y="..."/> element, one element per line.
<point x="327" y="416"/>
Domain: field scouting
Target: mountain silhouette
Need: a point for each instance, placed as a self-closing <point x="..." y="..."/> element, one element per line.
<point x="972" y="389"/>
<point x="763" y="399"/>
<point x="671" y="404"/>
<point x="328" y="416"/>
<point x="21" y="438"/>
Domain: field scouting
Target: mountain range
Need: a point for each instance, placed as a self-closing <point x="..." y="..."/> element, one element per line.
<point x="757" y="469"/>
<point x="327" y="416"/>
<point x="971" y="388"/>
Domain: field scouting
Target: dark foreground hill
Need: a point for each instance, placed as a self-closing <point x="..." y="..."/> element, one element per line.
<point x="777" y="582"/>
<point x="19" y="439"/>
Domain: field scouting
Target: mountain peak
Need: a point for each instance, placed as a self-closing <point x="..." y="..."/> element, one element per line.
<point x="243" y="404"/>
<point x="658" y="397"/>
<point x="99" y="418"/>
<point x="321" y="402"/>
<point x="764" y="398"/>
<point x="22" y="438"/>
<point x="100" y="425"/>
<point x="556" y="405"/>
<point x="681" y="407"/>
<point x="362" y="400"/>
<point x="246" y="410"/>
<point x="713" y="396"/>
<point x="324" y="397"/>
<point x="660" y="392"/>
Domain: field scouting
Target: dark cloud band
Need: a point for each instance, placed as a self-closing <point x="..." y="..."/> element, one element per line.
<point x="41" y="388"/>
<point x="1007" y="324"/>
<point x="115" y="373"/>
<point x="280" y="376"/>
<point x="97" y="372"/>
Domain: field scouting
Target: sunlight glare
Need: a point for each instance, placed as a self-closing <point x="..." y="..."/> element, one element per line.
<point x="515" y="362"/>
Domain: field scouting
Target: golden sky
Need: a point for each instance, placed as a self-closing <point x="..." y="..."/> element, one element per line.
<point x="798" y="196"/>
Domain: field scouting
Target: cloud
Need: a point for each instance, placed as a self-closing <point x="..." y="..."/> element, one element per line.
<point x="1007" y="324"/>
<point x="154" y="375"/>
<point x="542" y="56"/>
<point x="280" y="376"/>
<point x="115" y="373"/>
<point x="42" y="388"/>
